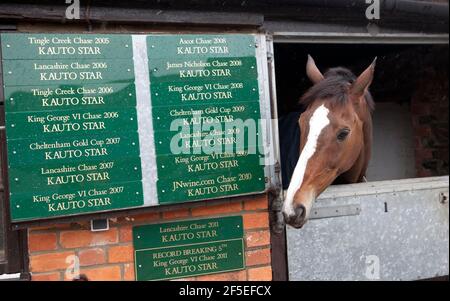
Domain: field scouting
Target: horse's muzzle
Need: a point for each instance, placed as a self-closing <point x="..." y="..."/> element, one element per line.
<point x="298" y="219"/>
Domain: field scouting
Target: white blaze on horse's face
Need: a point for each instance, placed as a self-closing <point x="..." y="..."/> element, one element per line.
<point x="298" y="214"/>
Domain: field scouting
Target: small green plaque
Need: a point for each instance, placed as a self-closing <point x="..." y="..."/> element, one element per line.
<point x="67" y="71"/>
<point x="63" y="46"/>
<point x="205" y="92"/>
<point x="184" y="165"/>
<point x="189" y="248"/>
<point x="73" y="148"/>
<point x="75" y="199"/>
<point x="39" y="177"/>
<point x="194" y="46"/>
<point x="49" y="123"/>
<point x="209" y="186"/>
<point x="69" y="97"/>
<point x="159" y="70"/>
<point x="204" y="115"/>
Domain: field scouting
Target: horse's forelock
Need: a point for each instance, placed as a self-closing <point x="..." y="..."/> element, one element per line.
<point x="334" y="87"/>
<point x="340" y="72"/>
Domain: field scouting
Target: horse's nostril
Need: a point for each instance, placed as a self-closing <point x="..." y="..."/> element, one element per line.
<point x="300" y="211"/>
<point x="298" y="218"/>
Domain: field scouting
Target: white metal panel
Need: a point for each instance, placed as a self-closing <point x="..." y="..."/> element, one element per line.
<point x="401" y="232"/>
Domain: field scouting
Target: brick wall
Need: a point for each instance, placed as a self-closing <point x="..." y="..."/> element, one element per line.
<point x="108" y="255"/>
<point x="429" y="108"/>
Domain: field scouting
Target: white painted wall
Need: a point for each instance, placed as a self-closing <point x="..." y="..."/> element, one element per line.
<point x="393" y="145"/>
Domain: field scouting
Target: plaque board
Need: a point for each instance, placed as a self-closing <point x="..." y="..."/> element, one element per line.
<point x="188" y="248"/>
<point x="101" y="122"/>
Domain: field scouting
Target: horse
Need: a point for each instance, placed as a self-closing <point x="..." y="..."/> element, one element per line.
<point x="336" y="137"/>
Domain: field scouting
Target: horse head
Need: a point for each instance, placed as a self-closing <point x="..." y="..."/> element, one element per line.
<point x="336" y="135"/>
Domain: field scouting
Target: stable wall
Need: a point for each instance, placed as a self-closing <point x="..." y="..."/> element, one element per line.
<point x="109" y="255"/>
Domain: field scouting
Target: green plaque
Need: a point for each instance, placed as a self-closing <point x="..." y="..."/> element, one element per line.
<point x="69" y="97"/>
<point x="65" y="46"/>
<point x="207" y="186"/>
<point x="202" y="70"/>
<point x="67" y="71"/>
<point x="206" y="92"/>
<point x="183" y="165"/>
<point x="188" y="248"/>
<point x="205" y="115"/>
<point x="41" y="177"/>
<point x="194" y="46"/>
<point x="49" y="123"/>
<point x="73" y="148"/>
<point x="207" y="142"/>
<point x="77" y="199"/>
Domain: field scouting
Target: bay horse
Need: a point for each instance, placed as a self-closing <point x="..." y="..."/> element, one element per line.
<point x="336" y="137"/>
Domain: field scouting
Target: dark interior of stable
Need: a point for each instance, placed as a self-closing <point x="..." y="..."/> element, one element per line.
<point x="410" y="89"/>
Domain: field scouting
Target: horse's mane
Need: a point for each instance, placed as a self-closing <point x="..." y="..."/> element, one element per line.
<point x="334" y="87"/>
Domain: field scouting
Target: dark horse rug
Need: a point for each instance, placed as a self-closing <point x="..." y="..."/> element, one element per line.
<point x="289" y="133"/>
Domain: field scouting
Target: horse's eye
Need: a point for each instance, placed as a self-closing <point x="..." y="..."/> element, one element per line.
<point x="342" y="134"/>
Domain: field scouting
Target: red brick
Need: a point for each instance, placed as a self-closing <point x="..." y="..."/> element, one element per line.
<point x="128" y="272"/>
<point x="108" y="273"/>
<point x="258" y="238"/>
<point x="260" y="274"/>
<point x="257" y="257"/>
<point x="256" y="220"/>
<point x="125" y="233"/>
<point x="41" y="242"/>
<point x="86" y="238"/>
<point x="91" y="256"/>
<point x="175" y="214"/>
<point x="231" y="276"/>
<point x="217" y="209"/>
<point x="146" y="217"/>
<point x="120" y="254"/>
<point x="257" y="203"/>
<point x="118" y="221"/>
<point x="50" y="261"/>
<point x="46" y="277"/>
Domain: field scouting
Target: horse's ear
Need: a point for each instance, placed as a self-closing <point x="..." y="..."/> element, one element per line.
<point x="362" y="83"/>
<point x="312" y="71"/>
